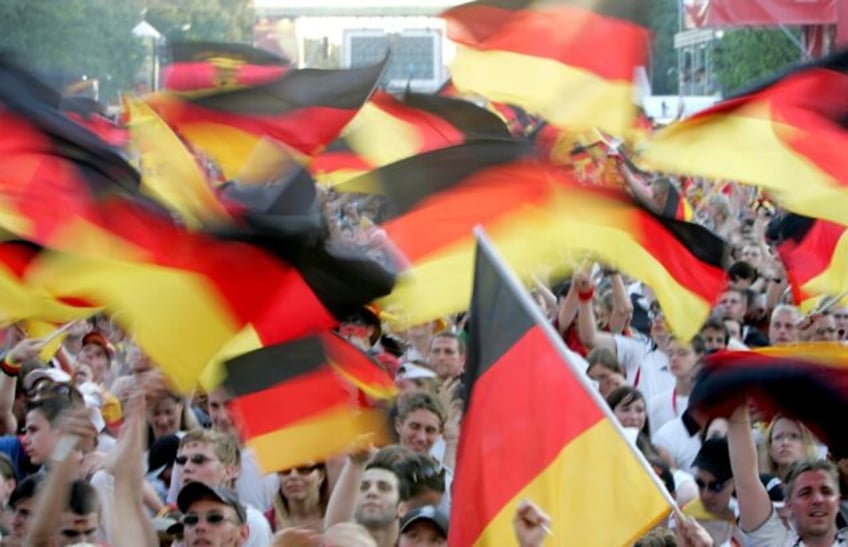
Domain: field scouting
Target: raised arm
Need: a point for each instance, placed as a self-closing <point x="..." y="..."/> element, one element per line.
<point x="342" y="504"/>
<point x="21" y="351"/>
<point x="622" y="307"/>
<point x="754" y="503"/>
<point x="587" y="327"/>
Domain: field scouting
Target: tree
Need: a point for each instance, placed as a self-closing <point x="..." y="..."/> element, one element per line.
<point x="209" y="20"/>
<point x="663" y="20"/>
<point x="68" y="39"/>
<point x="746" y="55"/>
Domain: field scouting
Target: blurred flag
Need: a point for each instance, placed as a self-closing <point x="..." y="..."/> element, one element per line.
<point x="305" y="110"/>
<point x="204" y="66"/>
<point x="170" y="173"/>
<point x="570" y="62"/>
<point x="519" y="374"/>
<point x="781" y="379"/>
<point x="534" y="212"/>
<point x="293" y="406"/>
<point x="815" y="255"/>
<point x="787" y="135"/>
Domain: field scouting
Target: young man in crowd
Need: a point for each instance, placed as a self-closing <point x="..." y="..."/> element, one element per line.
<point x="213" y="517"/>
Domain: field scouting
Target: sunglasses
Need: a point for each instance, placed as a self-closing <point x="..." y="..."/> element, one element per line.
<point x="716" y="486"/>
<point x="196" y="459"/>
<point x="301" y="470"/>
<point x="82" y="534"/>
<point x="210" y="518"/>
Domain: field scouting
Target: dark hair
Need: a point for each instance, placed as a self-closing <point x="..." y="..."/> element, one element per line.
<point x="627" y="395"/>
<point x="403" y="487"/>
<point x="421" y="473"/>
<point x="26" y="489"/>
<point x="52" y="405"/>
<point x="715" y="323"/>
<point x="658" y="537"/>
<point x="741" y="270"/>
<point x="84" y="499"/>
<point x="460" y="341"/>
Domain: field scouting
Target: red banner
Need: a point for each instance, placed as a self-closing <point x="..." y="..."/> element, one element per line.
<point x="768" y="13"/>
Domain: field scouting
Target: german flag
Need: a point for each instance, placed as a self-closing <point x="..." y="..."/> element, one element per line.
<point x="773" y="136"/>
<point x="295" y="408"/>
<point x="338" y="163"/>
<point x="304" y="110"/>
<point x="200" y="66"/>
<point x="781" y="379"/>
<point x="815" y="255"/>
<point x="570" y="62"/>
<point x="20" y="300"/>
<point x="170" y="173"/>
<point x="534" y="212"/>
<point x="389" y="129"/>
<point x="519" y="442"/>
<point x="93" y="116"/>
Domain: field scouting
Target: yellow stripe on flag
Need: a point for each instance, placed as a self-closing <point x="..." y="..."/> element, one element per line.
<point x="214" y="374"/>
<point x="564" y="96"/>
<point x="596" y="493"/>
<point x="381" y="138"/>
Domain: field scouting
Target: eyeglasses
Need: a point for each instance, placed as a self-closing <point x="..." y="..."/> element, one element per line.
<point x="211" y="518"/>
<point x="716" y="486"/>
<point x="196" y="459"/>
<point x="81" y="534"/>
<point x="301" y="470"/>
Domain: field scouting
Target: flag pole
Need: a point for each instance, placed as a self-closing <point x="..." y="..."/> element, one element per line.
<point x="535" y="313"/>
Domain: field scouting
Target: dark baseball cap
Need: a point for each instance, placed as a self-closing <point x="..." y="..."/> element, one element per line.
<point x="714" y="458"/>
<point x="429" y="513"/>
<point x="195" y="491"/>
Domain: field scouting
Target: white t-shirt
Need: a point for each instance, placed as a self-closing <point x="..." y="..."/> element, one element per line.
<point x="644" y="364"/>
<point x="260" y="529"/>
<point x="674" y="438"/>
<point x="773" y="533"/>
<point x="664" y="407"/>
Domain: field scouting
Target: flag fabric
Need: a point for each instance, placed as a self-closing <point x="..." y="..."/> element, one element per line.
<point x="534" y="212"/>
<point x="20" y="300"/>
<point x="304" y="109"/>
<point x="788" y="130"/>
<point x="581" y="471"/>
<point x="171" y="174"/>
<point x="389" y="129"/>
<point x="203" y="66"/>
<point x="570" y="62"/>
<point x="93" y="116"/>
<point x="295" y="408"/>
<point x="814" y="253"/>
<point x="781" y="379"/>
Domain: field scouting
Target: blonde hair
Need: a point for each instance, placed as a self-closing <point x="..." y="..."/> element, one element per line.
<point x="224" y="445"/>
<point x="767" y="463"/>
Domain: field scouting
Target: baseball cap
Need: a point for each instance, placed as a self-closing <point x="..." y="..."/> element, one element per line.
<point x="55" y="375"/>
<point x="97" y="338"/>
<point x="714" y="458"/>
<point x="429" y="513"/>
<point x="411" y="371"/>
<point x="195" y="491"/>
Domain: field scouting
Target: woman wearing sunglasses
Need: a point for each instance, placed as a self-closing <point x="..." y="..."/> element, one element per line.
<point x="302" y="498"/>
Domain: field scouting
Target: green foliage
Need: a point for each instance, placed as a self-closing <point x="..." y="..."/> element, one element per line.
<point x="747" y="55"/>
<point x="74" y="38"/>
<point x="663" y="20"/>
<point x="211" y="20"/>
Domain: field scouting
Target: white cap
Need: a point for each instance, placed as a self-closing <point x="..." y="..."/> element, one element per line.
<point x="411" y="371"/>
<point x="55" y="375"/>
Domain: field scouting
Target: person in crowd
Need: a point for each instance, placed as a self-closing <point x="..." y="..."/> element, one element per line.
<point x="734" y="304"/>
<point x="213" y="458"/>
<point x="714" y="334"/>
<point x="629" y="406"/>
<point x="213" y="516"/>
<point x="605" y="371"/>
<point x="783" y="326"/>
<point x="424" y="527"/>
<point x="8" y="483"/>
<point x="22" y="504"/>
<point x="446" y="355"/>
<point x="684" y="359"/>
<point x="301" y="501"/>
<point x="415" y="376"/>
<point x="169" y="415"/>
<point x="785" y="442"/>
<point x="811" y="491"/>
<point x="715" y="491"/>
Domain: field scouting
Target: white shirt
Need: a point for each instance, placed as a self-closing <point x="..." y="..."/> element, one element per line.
<point x="772" y="533"/>
<point x="260" y="530"/>
<point x="664" y="407"/>
<point x="674" y="438"/>
<point x="645" y="366"/>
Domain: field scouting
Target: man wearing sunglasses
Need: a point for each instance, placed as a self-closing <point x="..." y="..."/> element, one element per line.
<point x="212" y="516"/>
<point x="213" y="458"/>
<point x="715" y="491"/>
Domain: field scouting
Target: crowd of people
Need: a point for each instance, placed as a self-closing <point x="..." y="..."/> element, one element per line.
<point x="98" y="448"/>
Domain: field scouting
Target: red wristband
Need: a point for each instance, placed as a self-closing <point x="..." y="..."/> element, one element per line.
<point x="585" y="296"/>
<point x="10" y="369"/>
